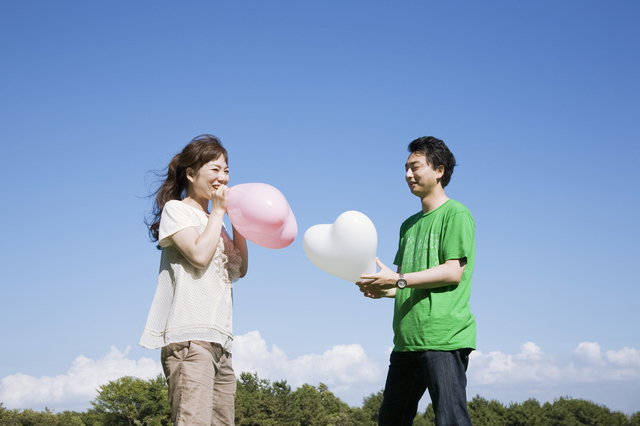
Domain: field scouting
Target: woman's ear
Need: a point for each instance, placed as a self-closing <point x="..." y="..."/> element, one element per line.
<point x="191" y="175"/>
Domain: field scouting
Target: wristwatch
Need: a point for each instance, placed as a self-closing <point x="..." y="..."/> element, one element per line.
<point x="401" y="283"/>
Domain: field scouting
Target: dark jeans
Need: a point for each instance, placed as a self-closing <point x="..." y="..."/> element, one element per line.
<point x="411" y="373"/>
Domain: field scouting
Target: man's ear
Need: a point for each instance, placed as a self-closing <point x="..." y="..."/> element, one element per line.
<point x="439" y="171"/>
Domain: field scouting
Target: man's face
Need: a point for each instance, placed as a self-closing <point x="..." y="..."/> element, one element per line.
<point x="421" y="178"/>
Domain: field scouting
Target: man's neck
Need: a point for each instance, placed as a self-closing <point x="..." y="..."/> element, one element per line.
<point x="434" y="200"/>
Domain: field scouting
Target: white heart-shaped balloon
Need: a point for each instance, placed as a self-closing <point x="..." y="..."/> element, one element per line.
<point x="346" y="248"/>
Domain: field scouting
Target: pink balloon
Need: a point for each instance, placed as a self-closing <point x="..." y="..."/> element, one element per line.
<point x="280" y="239"/>
<point x="261" y="214"/>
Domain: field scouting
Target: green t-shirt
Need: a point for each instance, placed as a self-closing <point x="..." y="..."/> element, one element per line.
<point x="440" y="318"/>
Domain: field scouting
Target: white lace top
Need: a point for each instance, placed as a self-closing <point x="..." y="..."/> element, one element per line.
<point x="191" y="303"/>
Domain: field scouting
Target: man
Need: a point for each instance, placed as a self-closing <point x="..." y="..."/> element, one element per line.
<point x="434" y="329"/>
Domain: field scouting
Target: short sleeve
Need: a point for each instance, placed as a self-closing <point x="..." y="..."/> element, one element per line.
<point x="175" y="217"/>
<point x="403" y="235"/>
<point x="459" y="239"/>
<point x="398" y="259"/>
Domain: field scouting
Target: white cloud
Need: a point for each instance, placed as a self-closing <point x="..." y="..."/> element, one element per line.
<point x="625" y="357"/>
<point x="495" y="367"/>
<point x="611" y="378"/>
<point x="344" y="368"/>
<point x="587" y="364"/>
<point x="590" y="364"/>
<point x="78" y="386"/>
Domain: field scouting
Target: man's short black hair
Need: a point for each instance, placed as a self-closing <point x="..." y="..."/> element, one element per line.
<point x="437" y="154"/>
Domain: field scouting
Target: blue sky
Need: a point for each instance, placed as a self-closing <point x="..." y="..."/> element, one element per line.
<point x="539" y="101"/>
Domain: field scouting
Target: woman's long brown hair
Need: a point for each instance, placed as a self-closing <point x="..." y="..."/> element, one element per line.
<point x="198" y="152"/>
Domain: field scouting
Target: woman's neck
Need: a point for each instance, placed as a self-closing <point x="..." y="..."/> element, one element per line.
<point x="200" y="204"/>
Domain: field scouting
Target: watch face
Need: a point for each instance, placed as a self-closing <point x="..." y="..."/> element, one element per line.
<point x="402" y="283"/>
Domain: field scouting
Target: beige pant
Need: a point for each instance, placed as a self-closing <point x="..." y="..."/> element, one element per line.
<point x="202" y="384"/>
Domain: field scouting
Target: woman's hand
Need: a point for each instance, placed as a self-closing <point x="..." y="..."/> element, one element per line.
<point x="219" y="199"/>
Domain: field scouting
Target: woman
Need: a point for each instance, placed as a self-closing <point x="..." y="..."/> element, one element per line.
<point x="190" y="318"/>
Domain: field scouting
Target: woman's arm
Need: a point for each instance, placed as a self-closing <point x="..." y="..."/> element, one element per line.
<point x="241" y="244"/>
<point x="199" y="249"/>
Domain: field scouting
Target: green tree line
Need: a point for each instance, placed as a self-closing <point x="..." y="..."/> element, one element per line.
<point x="130" y="401"/>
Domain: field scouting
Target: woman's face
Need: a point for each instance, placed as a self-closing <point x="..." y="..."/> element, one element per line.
<point x="209" y="178"/>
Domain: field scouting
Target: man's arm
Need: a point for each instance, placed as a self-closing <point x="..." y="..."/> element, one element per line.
<point x="380" y="293"/>
<point x="442" y="275"/>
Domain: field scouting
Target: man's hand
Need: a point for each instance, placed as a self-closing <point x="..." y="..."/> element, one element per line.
<point x="379" y="294"/>
<point x="375" y="285"/>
